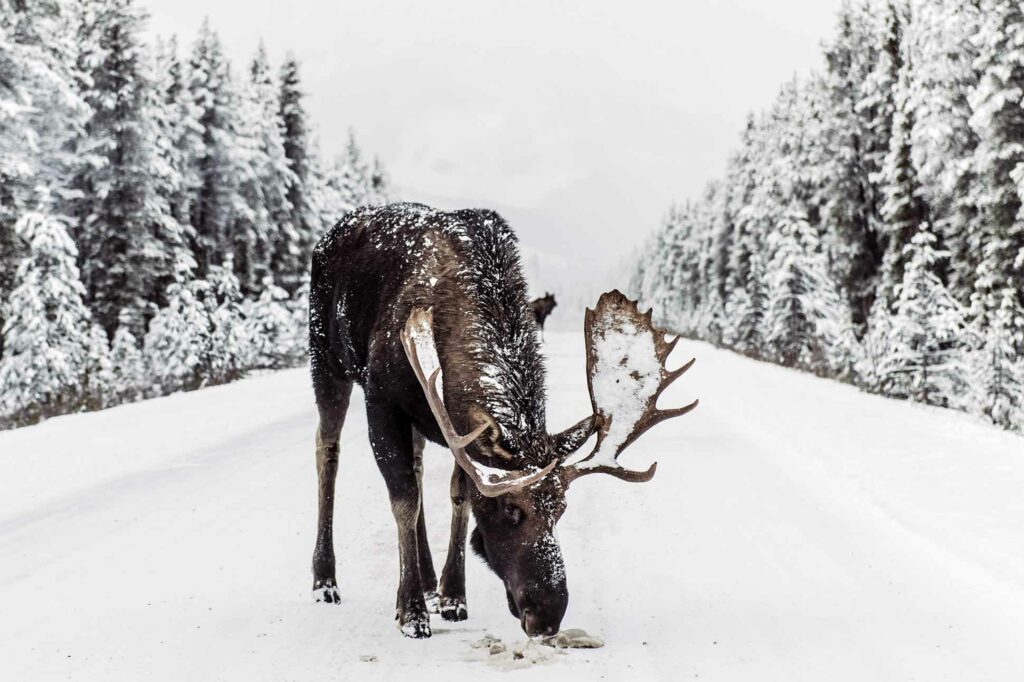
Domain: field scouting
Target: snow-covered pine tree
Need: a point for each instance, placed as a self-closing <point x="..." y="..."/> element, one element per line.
<point x="178" y="344"/>
<point x="847" y="191"/>
<point x="251" y="228"/>
<point x="740" y="186"/>
<point x="677" y="290"/>
<point x="652" y="269"/>
<point x="41" y="113"/>
<point x="350" y="179"/>
<point x="926" y="355"/>
<point x="174" y="126"/>
<point x="271" y="329"/>
<point x="177" y="115"/>
<point x="939" y="44"/>
<point x="100" y="384"/>
<point x="903" y="210"/>
<point x="217" y="198"/>
<point x="125" y="230"/>
<point x="789" y="329"/>
<point x="45" y="369"/>
<point x="292" y="257"/>
<point x="998" y="372"/>
<point x="708" y="303"/>
<point x="275" y="175"/>
<point x="878" y="107"/>
<point x="806" y="322"/>
<point x="127" y="367"/>
<point x="998" y="121"/>
<point x="230" y="343"/>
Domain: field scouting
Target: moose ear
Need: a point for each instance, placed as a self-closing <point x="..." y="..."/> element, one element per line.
<point x="490" y="439"/>
<point x="573" y="438"/>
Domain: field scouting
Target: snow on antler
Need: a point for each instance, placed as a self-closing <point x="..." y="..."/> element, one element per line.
<point x="626" y="374"/>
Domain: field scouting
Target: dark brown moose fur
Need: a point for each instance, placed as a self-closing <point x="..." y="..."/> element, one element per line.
<point x="542" y="308"/>
<point x="368" y="273"/>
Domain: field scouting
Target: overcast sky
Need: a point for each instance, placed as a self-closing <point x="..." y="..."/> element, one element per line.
<point x="580" y="121"/>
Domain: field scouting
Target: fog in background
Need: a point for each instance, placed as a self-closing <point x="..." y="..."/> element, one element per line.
<point x="580" y="121"/>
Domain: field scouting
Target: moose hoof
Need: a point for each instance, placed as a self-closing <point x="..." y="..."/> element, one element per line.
<point x="453" y="609"/>
<point x="415" y="626"/>
<point x="431" y="599"/>
<point x="326" y="591"/>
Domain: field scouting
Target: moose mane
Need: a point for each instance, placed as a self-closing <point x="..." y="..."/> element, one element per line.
<point x="502" y="336"/>
<point x="483" y="304"/>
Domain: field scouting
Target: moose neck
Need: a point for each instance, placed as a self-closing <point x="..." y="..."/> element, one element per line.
<point x="491" y="356"/>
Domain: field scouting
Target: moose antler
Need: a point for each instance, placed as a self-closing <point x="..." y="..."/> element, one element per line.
<point x="626" y="374"/>
<point x="418" y="341"/>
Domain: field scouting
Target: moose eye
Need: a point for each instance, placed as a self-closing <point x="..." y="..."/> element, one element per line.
<point x="513" y="513"/>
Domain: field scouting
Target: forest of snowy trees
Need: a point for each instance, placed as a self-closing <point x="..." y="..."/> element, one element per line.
<point x="870" y="225"/>
<point x="157" y="209"/>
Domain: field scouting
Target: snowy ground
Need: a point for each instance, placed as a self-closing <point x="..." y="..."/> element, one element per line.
<point x="796" y="530"/>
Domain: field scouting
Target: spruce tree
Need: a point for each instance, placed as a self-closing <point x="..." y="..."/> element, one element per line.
<point x="271" y="330"/>
<point x="178" y="345"/>
<point x="50" y="347"/>
<point x="275" y="176"/>
<point x="804" y="314"/>
<point x="851" y="240"/>
<point x="940" y="46"/>
<point x="293" y="256"/>
<point x="251" y="228"/>
<point x="127" y="367"/>
<point x="177" y="116"/>
<point x="925" y="357"/>
<point x="230" y="344"/>
<point x="998" y="371"/>
<point x="126" y="234"/>
<point x="998" y="121"/>
<point x="216" y="200"/>
<point x="41" y="114"/>
<point x="904" y="210"/>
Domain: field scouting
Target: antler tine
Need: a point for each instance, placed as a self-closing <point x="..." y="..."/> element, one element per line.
<point x="675" y="374"/>
<point x="665" y="348"/>
<point x="490" y="482"/>
<point x="622" y="344"/>
<point x="655" y="418"/>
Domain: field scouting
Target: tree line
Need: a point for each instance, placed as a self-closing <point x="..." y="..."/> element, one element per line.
<point x="869" y="226"/>
<point x="157" y="209"/>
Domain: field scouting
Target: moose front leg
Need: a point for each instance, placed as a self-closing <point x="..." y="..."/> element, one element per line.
<point x="453" y="577"/>
<point x="391" y="439"/>
<point x="332" y="401"/>
<point x="427" y="575"/>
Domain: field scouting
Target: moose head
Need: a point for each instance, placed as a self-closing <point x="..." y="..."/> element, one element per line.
<point x="516" y="509"/>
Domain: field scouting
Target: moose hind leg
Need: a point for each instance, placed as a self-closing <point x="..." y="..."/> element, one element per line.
<point x="391" y="439"/>
<point x="453" y="577"/>
<point x="333" y="405"/>
<point x="427" y="575"/>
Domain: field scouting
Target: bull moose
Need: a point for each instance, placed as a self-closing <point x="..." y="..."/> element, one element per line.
<point x="427" y="311"/>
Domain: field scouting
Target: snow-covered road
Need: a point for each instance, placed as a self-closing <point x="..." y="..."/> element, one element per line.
<point x="796" y="530"/>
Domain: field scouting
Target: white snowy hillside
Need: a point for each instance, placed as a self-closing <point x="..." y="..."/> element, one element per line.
<point x="797" y="529"/>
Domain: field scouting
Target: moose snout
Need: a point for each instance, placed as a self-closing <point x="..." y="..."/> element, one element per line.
<point x="536" y="624"/>
<point x="540" y="614"/>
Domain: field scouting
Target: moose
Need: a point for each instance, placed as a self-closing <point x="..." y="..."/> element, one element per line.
<point x="542" y="308"/>
<point x="427" y="311"/>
